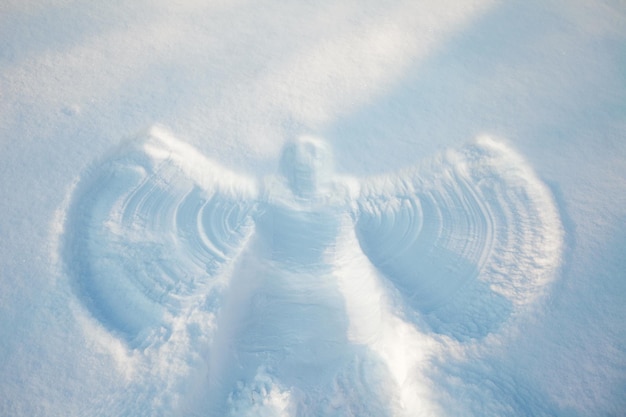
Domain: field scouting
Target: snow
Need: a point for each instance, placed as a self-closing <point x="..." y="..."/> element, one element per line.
<point x="343" y="208"/>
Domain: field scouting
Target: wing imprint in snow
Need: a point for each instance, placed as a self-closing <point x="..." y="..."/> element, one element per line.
<point x="151" y="230"/>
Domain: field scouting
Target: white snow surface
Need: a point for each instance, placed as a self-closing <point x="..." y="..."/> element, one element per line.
<point x="237" y="208"/>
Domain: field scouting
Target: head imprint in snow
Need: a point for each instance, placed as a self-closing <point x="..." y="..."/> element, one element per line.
<point x="306" y="163"/>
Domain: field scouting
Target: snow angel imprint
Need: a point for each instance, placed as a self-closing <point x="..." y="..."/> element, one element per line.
<point x="307" y="292"/>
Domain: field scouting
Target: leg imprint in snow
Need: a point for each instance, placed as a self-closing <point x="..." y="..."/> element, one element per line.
<point x="308" y="275"/>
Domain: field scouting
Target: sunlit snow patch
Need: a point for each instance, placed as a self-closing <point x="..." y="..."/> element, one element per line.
<point x="306" y="293"/>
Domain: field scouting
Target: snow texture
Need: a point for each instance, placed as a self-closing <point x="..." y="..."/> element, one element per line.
<point x="332" y="208"/>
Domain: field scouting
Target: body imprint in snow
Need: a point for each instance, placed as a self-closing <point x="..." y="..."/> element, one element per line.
<point x="307" y="292"/>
